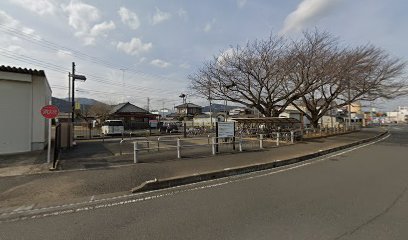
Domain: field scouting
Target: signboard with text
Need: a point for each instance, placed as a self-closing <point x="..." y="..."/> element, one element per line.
<point x="226" y="129"/>
<point x="50" y="111"/>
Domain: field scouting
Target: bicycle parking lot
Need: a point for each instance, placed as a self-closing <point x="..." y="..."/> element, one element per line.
<point x="170" y="147"/>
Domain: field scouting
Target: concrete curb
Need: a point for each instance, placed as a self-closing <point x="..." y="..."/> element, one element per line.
<point x="157" y="184"/>
<point x="326" y="136"/>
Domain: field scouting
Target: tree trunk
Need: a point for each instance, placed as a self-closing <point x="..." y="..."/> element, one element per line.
<point x="315" y="123"/>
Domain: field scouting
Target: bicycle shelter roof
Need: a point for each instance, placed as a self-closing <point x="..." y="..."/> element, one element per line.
<point x="267" y="120"/>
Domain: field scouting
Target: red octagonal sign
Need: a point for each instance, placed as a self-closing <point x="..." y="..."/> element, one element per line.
<point x="50" y="111"/>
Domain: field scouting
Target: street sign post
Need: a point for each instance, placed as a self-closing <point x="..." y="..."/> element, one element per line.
<point x="49" y="112"/>
<point x="224" y="130"/>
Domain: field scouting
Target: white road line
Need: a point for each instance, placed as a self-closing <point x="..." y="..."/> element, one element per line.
<point x="238" y="178"/>
<point x="24" y="208"/>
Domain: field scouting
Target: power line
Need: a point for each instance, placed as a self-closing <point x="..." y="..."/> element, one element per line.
<point x="56" y="47"/>
<point x="60" y="69"/>
<point x="104" y="93"/>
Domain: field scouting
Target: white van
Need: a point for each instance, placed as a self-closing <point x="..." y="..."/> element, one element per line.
<point x="112" y="127"/>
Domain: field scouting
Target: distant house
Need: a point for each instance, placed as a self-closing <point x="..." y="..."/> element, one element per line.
<point x="23" y="92"/>
<point x="188" y="110"/>
<point x="207" y="120"/>
<point x="132" y="116"/>
<point x="240" y="111"/>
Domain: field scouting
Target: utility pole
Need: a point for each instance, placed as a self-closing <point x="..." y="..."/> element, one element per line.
<point x="209" y="99"/>
<point x="225" y="110"/>
<point x="69" y="87"/>
<point x="349" y="105"/>
<point x="73" y="94"/>
<point x="123" y="84"/>
<point x="73" y="77"/>
<point x="148" y="104"/>
<point x="163" y="110"/>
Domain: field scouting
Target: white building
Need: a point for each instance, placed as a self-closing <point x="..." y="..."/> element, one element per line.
<point x="23" y="92"/>
<point x="399" y="116"/>
<point x="205" y="120"/>
<point x="163" y="112"/>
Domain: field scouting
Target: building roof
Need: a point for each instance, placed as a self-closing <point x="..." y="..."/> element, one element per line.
<point x="4" y="68"/>
<point x="267" y="120"/>
<point x="127" y="108"/>
<point x="188" y="105"/>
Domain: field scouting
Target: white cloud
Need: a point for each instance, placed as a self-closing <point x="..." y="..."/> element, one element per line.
<point x="307" y="12"/>
<point x="40" y="7"/>
<point x="134" y="47"/>
<point x="208" y="26"/>
<point x="129" y="18"/>
<point x="8" y="20"/>
<point x="101" y="28"/>
<point x="160" y="16"/>
<point x="160" y="63"/>
<point x="81" y="17"/>
<point x="241" y="3"/>
<point x="14" y="25"/>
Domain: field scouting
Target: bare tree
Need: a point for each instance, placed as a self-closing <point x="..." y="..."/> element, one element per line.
<point x="315" y="73"/>
<point x="100" y="110"/>
<point x="256" y="75"/>
<point x="348" y="75"/>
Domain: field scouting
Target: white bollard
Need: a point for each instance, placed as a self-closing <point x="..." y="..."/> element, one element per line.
<point x="135" y="150"/>
<point x="240" y="144"/>
<point x="277" y="138"/>
<point x="120" y="147"/>
<point x="178" y="148"/>
<point x="260" y="141"/>
<point x="292" y="137"/>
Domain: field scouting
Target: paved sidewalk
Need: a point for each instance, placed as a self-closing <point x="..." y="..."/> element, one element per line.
<point x="55" y="188"/>
<point x="23" y="163"/>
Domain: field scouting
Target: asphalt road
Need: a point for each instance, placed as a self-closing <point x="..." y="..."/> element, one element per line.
<point x="359" y="194"/>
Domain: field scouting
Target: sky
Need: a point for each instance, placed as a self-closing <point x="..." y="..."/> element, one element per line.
<point x="133" y="50"/>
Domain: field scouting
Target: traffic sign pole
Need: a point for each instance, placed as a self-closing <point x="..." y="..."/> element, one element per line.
<point x="49" y="141"/>
<point x="49" y="112"/>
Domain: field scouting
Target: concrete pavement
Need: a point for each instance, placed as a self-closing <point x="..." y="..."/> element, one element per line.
<point x="65" y="187"/>
<point x="360" y="194"/>
<point x="23" y="163"/>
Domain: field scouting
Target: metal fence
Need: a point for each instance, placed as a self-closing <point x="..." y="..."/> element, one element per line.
<point x="86" y="131"/>
<point x="167" y="147"/>
<point x="57" y="145"/>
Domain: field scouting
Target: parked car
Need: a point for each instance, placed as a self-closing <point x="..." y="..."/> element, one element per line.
<point x="169" y="128"/>
<point x="113" y="127"/>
